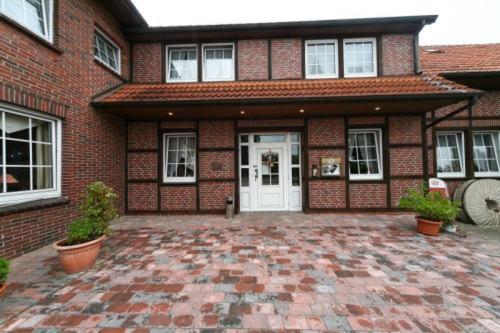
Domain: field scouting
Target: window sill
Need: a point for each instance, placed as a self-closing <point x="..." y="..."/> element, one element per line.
<point x="30" y="33"/>
<point x="118" y="76"/>
<point x="33" y="205"/>
<point x="367" y="180"/>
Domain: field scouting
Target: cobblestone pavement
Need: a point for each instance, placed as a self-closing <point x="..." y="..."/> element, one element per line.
<point x="263" y="272"/>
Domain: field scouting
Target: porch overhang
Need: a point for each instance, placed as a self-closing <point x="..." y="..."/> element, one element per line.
<point x="283" y="98"/>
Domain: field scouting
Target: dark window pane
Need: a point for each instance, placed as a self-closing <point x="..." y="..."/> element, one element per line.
<point x="275" y="180"/>
<point x="16" y="126"/>
<point x="18" y="179"/>
<point x="295" y="154"/>
<point x="171" y="170"/>
<point x="363" y="168"/>
<point x="295" y="177"/>
<point x="172" y="156"/>
<point x="269" y="138"/>
<point x="373" y="165"/>
<point x="266" y="180"/>
<point x="18" y="153"/>
<point x="244" y="155"/>
<point x="40" y="130"/>
<point x="42" y="178"/>
<point x="244" y="138"/>
<point x="275" y="168"/>
<point x="353" y="168"/>
<point x="189" y="170"/>
<point x="42" y="154"/>
<point x="244" y="177"/>
<point x="181" y="170"/>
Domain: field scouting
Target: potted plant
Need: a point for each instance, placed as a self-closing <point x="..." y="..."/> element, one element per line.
<point x="433" y="210"/>
<point x="78" y="252"/>
<point x="4" y="273"/>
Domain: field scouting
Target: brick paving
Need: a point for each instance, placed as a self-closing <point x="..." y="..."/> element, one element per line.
<point x="275" y="272"/>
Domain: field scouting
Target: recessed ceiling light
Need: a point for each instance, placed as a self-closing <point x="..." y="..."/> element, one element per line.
<point x="378" y="108"/>
<point x="242" y="112"/>
<point x="170" y="113"/>
<point x="301" y="110"/>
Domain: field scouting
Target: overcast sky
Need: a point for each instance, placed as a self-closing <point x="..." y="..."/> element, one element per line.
<point x="460" y="21"/>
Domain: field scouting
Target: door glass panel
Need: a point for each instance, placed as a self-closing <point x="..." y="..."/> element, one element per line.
<point x="269" y="138"/>
<point x="295" y="154"/>
<point x="270" y="168"/>
<point x="275" y="179"/>
<point x="244" y="138"/>
<point x="244" y="177"/>
<point x="244" y="155"/>
<point x="295" y="177"/>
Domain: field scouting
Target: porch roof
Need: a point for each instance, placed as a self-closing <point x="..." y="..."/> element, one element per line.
<point x="369" y="93"/>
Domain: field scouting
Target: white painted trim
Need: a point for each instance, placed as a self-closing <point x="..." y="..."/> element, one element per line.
<point x="380" y="155"/>
<point x="336" y="60"/>
<point x="203" y="49"/>
<point x="48" y="18"/>
<point x="30" y="195"/>
<point x="167" y="179"/>
<point x="370" y="74"/>
<point x="461" y="152"/>
<point x="496" y="146"/>
<point x="108" y="39"/>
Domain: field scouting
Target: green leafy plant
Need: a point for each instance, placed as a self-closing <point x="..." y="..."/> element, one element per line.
<point x="98" y="210"/>
<point x="430" y="205"/>
<point x="4" y="270"/>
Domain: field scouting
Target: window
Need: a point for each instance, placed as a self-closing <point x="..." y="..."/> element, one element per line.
<point x="321" y="59"/>
<point x="365" y="153"/>
<point x="106" y="52"/>
<point x="180" y="158"/>
<point x="218" y="62"/>
<point x="182" y="63"/>
<point x="486" y="154"/>
<point x="29" y="157"/>
<point x="360" y="57"/>
<point x="450" y="154"/>
<point x="33" y="14"/>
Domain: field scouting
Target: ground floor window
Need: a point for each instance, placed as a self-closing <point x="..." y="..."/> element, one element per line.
<point x="450" y="154"/>
<point x="365" y="152"/>
<point x="179" y="158"/>
<point x="29" y="156"/>
<point x="486" y="154"/>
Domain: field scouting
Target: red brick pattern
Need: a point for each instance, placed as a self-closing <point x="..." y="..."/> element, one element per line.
<point x="367" y="196"/>
<point x="366" y="120"/>
<point x="216" y="134"/>
<point x="286" y="58"/>
<point x="142" y="166"/>
<point x="142" y="197"/>
<point x="271" y="123"/>
<point x="397" y="54"/>
<point x="406" y="161"/>
<point x="399" y="188"/>
<point x="180" y="198"/>
<point x="253" y="59"/>
<point x="178" y="125"/>
<point x="315" y="156"/>
<point x="453" y="123"/>
<point x="405" y="130"/>
<point x="326" y="132"/>
<point x="146" y="63"/>
<point x="327" y="194"/>
<point x="213" y="194"/>
<point x="142" y="135"/>
<point x="216" y="164"/>
<point x="488" y="105"/>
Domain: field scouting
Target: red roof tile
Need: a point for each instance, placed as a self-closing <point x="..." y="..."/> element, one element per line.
<point x="283" y="89"/>
<point x="436" y="59"/>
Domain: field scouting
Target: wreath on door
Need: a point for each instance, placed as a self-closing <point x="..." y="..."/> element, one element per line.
<point x="268" y="159"/>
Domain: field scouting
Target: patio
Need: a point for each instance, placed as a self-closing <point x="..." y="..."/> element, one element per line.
<point x="342" y="272"/>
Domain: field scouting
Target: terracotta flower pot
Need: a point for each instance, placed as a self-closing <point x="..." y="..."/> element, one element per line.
<point x="428" y="227"/>
<point x="78" y="258"/>
<point x="3" y="286"/>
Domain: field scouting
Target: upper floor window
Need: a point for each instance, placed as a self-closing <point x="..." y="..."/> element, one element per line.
<point x="29" y="156"/>
<point x="360" y="57"/>
<point x="33" y="14"/>
<point x="179" y="158"/>
<point x="182" y="63"/>
<point x="218" y="62"/>
<point x="365" y="154"/>
<point x="450" y="154"/>
<point x="321" y="59"/>
<point x="106" y="52"/>
<point x="486" y="154"/>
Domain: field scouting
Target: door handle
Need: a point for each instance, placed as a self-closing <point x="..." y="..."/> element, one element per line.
<point x="256" y="174"/>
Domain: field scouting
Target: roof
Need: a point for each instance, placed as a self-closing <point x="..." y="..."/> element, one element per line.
<point x="440" y="59"/>
<point x="399" y="24"/>
<point x="248" y="91"/>
<point x="125" y="12"/>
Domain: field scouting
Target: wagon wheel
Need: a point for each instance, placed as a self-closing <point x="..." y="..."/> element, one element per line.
<point x="481" y="201"/>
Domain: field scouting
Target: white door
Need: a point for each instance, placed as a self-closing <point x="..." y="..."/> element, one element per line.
<point x="269" y="178"/>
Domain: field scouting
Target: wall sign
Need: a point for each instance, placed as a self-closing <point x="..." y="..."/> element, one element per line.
<point x="330" y="166"/>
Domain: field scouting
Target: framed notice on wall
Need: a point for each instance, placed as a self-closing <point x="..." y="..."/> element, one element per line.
<point x="330" y="166"/>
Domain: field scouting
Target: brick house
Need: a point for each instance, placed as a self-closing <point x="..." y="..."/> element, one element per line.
<point x="320" y="116"/>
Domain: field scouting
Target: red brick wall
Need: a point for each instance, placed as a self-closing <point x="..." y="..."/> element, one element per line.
<point x="142" y="166"/>
<point x="406" y="161"/>
<point x="142" y="197"/>
<point x="315" y="156"/>
<point x="327" y="194"/>
<point x="286" y="58"/>
<point x="216" y="134"/>
<point x="213" y="194"/>
<point x="253" y="59"/>
<point x="405" y="130"/>
<point x="367" y="196"/>
<point x="146" y="62"/>
<point x="216" y="164"/>
<point x="178" y="198"/>
<point x="62" y="84"/>
<point x="142" y="135"/>
<point x="398" y="55"/>
<point x="326" y="132"/>
<point x="399" y="187"/>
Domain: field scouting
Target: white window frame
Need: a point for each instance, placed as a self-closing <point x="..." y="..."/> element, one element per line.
<point x="209" y="45"/>
<point x="107" y="39"/>
<point x="48" y="20"/>
<point x="461" y="153"/>
<point x="181" y="47"/>
<point x="374" y="55"/>
<point x="10" y="198"/>
<point x="167" y="179"/>
<point x="378" y="143"/>
<point x="496" y="146"/>
<point x="336" y="60"/>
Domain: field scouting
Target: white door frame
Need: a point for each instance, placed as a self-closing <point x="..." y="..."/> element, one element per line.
<point x="292" y="195"/>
